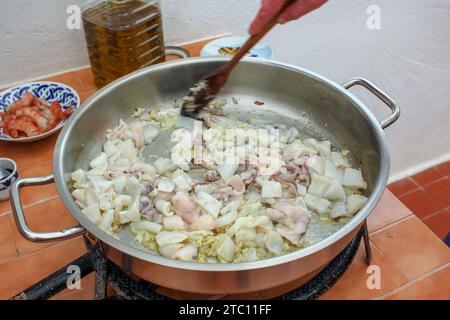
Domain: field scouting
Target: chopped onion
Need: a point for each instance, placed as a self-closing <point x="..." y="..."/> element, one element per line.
<point x="105" y="201"/>
<point x="249" y="254"/>
<point x="335" y="191"/>
<point x="317" y="164"/>
<point x="271" y="189"/>
<point x="226" y="248"/>
<point x="164" y="207"/>
<point x="186" y="253"/>
<point x="169" y="250"/>
<point x="324" y="147"/>
<point x="107" y="221"/>
<point x="338" y="159"/>
<point x="79" y="176"/>
<point x="166" y="185"/>
<point x="122" y="201"/>
<point x="226" y="219"/>
<point x="164" y="165"/>
<point x="150" y="226"/>
<point x="101" y="160"/>
<point x="353" y="178"/>
<point x="339" y="210"/>
<point x="315" y="203"/>
<point x="227" y="170"/>
<point x="319" y="185"/>
<point x="130" y="215"/>
<point x="93" y="213"/>
<point x="174" y="223"/>
<point x="332" y="172"/>
<point x="209" y="204"/>
<point x="79" y="195"/>
<point x="274" y="242"/>
<point x="182" y="181"/>
<point x="150" y="133"/>
<point x="355" y="202"/>
<point x="109" y="148"/>
<point x="204" y="222"/>
<point x="168" y="237"/>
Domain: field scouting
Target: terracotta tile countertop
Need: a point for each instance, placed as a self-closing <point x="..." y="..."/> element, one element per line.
<point x="413" y="262"/>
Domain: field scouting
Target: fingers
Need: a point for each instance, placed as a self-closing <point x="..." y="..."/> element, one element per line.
<point x="300" y="8"/>
<point x="268" y="8"/>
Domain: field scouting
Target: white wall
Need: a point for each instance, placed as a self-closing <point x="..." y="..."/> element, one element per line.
<point x="409" y="57"/>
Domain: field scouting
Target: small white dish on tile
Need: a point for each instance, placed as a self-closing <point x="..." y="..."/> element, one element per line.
<point x="8" y="174"/>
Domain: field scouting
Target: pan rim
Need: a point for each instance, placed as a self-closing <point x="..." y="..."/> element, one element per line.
<point x="141" y="254"/>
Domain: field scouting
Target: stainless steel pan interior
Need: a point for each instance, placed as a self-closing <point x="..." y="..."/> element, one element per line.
<point x="317" y="106"/>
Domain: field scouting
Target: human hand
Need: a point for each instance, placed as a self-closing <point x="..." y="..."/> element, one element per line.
<point x="295" y="11"/>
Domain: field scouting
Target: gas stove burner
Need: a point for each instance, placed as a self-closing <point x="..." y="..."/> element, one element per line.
<point x="126" y="288"/>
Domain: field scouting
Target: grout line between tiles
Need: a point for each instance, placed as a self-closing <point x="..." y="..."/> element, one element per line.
<point x="420" y="186"/>
<point x="390" y="223"/>
<point x="394" y="266"/>
<point x="413" y="281"/>
<point x="33" y="204"/>
<point x="393" y="223"/>
<point x="51" y="246"/>
<point x="434" y="214"/>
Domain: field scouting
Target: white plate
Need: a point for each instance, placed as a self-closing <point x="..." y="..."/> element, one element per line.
<point x="260" y="50"/>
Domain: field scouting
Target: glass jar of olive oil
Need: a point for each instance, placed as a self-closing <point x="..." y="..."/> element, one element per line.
<point x="123" y="36"/>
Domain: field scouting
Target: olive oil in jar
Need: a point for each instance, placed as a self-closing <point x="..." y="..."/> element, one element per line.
<point x="122" y="36"/>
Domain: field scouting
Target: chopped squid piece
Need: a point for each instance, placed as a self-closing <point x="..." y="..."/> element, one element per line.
<point x="185" y="206"/>
<point x="204" y="222"/>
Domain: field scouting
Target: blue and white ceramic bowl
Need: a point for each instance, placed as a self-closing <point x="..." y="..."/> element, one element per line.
<point x="213" y="49"/>
<point x="46" y="90"/>
<point x="9" y="166"/>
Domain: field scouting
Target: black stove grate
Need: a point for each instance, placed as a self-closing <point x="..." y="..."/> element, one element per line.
<point x="126" y="288"/>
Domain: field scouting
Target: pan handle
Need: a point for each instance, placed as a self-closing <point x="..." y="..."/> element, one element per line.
<point x="380" y="95"/>
<point x="19" y="216"/>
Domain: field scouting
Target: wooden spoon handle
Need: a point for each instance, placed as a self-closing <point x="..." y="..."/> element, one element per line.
<point x="255" y="38"/>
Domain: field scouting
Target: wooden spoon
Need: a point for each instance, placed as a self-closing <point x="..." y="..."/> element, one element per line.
<point x="208" y="87"/>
